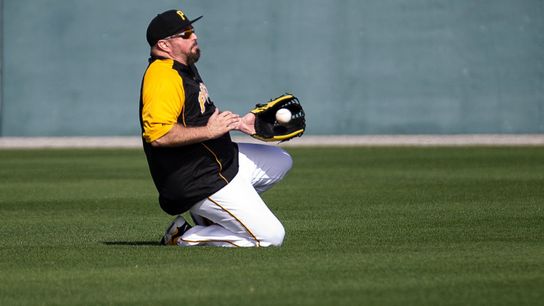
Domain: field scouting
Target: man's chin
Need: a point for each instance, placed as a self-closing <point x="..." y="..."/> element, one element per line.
<point x="194" y="56"/>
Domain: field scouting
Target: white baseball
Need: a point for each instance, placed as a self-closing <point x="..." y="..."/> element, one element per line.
<point x="283" y="115"/>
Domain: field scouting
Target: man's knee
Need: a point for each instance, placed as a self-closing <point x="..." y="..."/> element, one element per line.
<point x="286" y="160"/>
<point x="282" y="162"/>
<point x="273" y="236"/>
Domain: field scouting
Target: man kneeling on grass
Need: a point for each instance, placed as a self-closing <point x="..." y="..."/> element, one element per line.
<point x="194" y="163"/>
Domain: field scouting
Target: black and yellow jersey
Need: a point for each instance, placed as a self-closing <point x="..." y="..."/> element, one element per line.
<point x="174" y="93"/>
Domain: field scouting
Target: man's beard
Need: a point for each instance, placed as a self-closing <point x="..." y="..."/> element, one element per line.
<point x="194" y="56"/>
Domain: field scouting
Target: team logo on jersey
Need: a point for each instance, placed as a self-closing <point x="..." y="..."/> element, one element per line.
<point x="203" y="98"/>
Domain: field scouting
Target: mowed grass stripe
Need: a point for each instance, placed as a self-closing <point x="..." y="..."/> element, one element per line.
<point x="365" y="226"/>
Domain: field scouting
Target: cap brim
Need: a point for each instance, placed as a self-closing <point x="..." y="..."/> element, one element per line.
<point x="196" y="19"/>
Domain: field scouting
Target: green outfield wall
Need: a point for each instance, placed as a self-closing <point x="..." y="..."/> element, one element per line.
<point x="73" y="68"/>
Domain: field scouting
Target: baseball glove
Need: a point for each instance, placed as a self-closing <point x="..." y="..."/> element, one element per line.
<point x="267" y="128"/>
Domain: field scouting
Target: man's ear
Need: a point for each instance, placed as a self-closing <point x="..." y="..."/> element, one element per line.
<point x="163" y="45"/>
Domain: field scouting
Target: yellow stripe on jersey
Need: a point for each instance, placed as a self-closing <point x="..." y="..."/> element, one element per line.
<point x="163" y="99"/>
<point x="218" y="163"/>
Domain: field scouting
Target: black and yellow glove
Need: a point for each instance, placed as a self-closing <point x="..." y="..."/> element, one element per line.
<point x="267" y="128"/>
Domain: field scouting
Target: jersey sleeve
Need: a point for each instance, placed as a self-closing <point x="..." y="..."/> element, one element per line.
<point x="163" y="98"/>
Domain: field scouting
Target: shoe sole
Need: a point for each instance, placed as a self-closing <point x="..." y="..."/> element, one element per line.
<point x="172" y="232"/>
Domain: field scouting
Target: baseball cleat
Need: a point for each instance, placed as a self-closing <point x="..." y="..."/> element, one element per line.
<point x="178" y="227"/>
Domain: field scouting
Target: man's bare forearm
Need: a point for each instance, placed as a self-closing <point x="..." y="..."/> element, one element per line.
<point x="218" y="125"/>
<point x="181" y="136"/>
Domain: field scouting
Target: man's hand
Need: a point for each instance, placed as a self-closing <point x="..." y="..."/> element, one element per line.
<point x="247" y="124"/>
<point x="221" y="123"/>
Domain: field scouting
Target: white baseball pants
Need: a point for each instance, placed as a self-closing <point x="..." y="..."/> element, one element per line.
<point x="239" y="215"/>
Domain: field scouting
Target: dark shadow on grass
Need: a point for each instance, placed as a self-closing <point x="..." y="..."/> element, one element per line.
<point x="132" y="243"/>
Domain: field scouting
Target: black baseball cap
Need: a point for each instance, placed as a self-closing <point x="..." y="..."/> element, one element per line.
<point x="166" y="24"/>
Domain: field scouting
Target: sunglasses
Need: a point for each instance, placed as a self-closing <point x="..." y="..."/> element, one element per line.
<point x="185" y="34"/>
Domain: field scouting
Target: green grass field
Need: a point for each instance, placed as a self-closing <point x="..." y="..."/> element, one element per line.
<point x="365" y="226"/>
